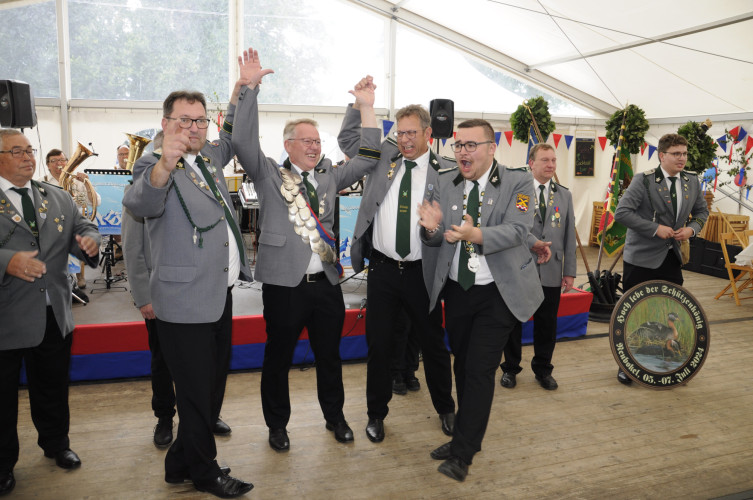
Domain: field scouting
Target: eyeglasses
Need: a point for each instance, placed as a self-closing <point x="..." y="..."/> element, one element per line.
<point x="183" y="122"/>
<point x="677" y="154"/>
<point x="469" y="146"/>
<point x="19" y="152"/>
<point x="410" y="134"/>
<point x="308" y="142"/>
<point x="59" y="160"/>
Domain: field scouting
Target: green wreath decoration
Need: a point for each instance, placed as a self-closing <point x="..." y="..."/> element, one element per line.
<point x="701" y="147"/>
<point x="636" y="126"/>
<point x="520" y="120"/>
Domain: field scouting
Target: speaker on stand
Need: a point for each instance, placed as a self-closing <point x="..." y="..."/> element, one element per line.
<point x="16" y="105"/>
<point x="442" y="113"/>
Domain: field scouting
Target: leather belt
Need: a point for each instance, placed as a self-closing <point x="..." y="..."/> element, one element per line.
<point x="378" y="256"/>
<point x="312" y="278"/>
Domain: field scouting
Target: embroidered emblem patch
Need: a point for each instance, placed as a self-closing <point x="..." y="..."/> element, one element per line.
<point x="521" y="202"/>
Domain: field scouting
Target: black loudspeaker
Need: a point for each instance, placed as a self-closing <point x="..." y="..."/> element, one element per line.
<point x="16" y="105"/>
<point x="442" y="118"/>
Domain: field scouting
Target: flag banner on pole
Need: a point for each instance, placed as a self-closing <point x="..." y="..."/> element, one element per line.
<point x="386" y="126"/>
<point x="614" y="234"/>
<point x="532" y="140"/>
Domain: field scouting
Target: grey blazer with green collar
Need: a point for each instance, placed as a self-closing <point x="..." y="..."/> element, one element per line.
<point x="22" y="303"/>
<point x="646" y="203"/>
<point x="506" y="219"/>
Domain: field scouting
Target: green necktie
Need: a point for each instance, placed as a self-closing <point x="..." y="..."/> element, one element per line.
<point x="402" y="236"/>
<point x="466" y="277"/>
<point x="542" y="202"/>
<point x="228" y="216"/>
<point x="313" y="198"/>
<point x="28" y="206"/>
<point x="673" y="194"/>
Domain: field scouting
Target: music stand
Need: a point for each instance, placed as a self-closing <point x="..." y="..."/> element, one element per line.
<point x="107" y="262"/>
<point x="110" y="185"/>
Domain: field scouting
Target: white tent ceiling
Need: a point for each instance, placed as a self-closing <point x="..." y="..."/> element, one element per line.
<point x="673" y="59"/>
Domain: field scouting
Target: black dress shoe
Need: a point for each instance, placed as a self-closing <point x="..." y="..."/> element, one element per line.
<point x="412" y="384"/>
<point x="508" y="380"/>
<point x="278" y="439"/>
<point x="185" y="476"/>
<point x="547" y="382"/>
<point x="442" y="453"/>
<point x="224" y="486"/>
<point x="221" y="428"/>
<point x="455" y="468"/>
<point x="375" y="430"/>
<point x="7" y="483"/>
<point x="448" y="423"/>
<point x="343" y="432"/>
<point x="623" y="378"/>
<point x="163" y="432"/>
<point x="399" y="387"/>
<point x="66" y="459"/>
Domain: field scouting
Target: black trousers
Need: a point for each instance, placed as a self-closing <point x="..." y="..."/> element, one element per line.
<point x="47" y="368"/>
<point x="669" y="270"/>
<point x="479" y="324"/>
<point x="163" y="394"/>
<point x="388" y="290"/>
<point x="198" y="357"/>
<point x="319" y="307"/>
<point x="544" y="337"/>
<point x="405" y="349"/>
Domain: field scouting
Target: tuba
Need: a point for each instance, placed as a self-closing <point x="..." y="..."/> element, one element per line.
<point x="136" y="145"/>
<point x="86" y="199"/>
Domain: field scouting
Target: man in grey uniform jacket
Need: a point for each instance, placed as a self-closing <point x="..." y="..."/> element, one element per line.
<point x="39" y="226"/>
<point x="486" y="274"/>
<point x="400" y="268"/>
<point x="197" y="255"/>
<point x="661" y="208"/>
<point x="297" y="261"/>
<point x="553" y="225"/>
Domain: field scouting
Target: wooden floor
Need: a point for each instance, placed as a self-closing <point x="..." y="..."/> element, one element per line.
<point x="593" y="438"/>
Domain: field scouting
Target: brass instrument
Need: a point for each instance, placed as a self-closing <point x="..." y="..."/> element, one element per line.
<point x="87" y="199"/>
<point x="136" y="145"/>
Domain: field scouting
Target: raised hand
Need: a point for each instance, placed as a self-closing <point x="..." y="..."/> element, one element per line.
<point x="364" y="92"/>
<point x="250" y="68"/>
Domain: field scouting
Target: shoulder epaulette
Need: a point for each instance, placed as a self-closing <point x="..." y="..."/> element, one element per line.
<point x="450" y="159"/>
<point x="563" y="187"/>
<point x="391" y="140"/>
<point x="39" y="184"/>
<point x="447" y="170"/>
<point x="690" y="173"/>
<point x="522" y="169"/>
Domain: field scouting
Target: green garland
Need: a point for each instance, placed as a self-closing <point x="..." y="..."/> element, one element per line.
<point x="701" y="147"/>
<point x="636" y="126"/>
<point x="520" y="120"/>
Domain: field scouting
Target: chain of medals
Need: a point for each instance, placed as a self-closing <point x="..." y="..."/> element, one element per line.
<point x="473" y="263"/>
<point x="299" y="214"/>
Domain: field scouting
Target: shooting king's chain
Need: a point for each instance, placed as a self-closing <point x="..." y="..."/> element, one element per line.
<point x="301" y="216"/>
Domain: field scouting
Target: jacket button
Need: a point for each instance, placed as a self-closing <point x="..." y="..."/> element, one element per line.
<point x="33" y="244"/>
<point x="226" y="243"/>
<point x="41" y="290"/>
<point x="225" y="269"/>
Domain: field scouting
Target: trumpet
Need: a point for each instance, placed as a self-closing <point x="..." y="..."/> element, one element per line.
<point x="136" y="145"/>
<point x="87" y="200"/>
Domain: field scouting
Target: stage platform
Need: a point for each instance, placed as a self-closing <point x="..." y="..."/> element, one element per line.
<point x="110" y="339"/>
